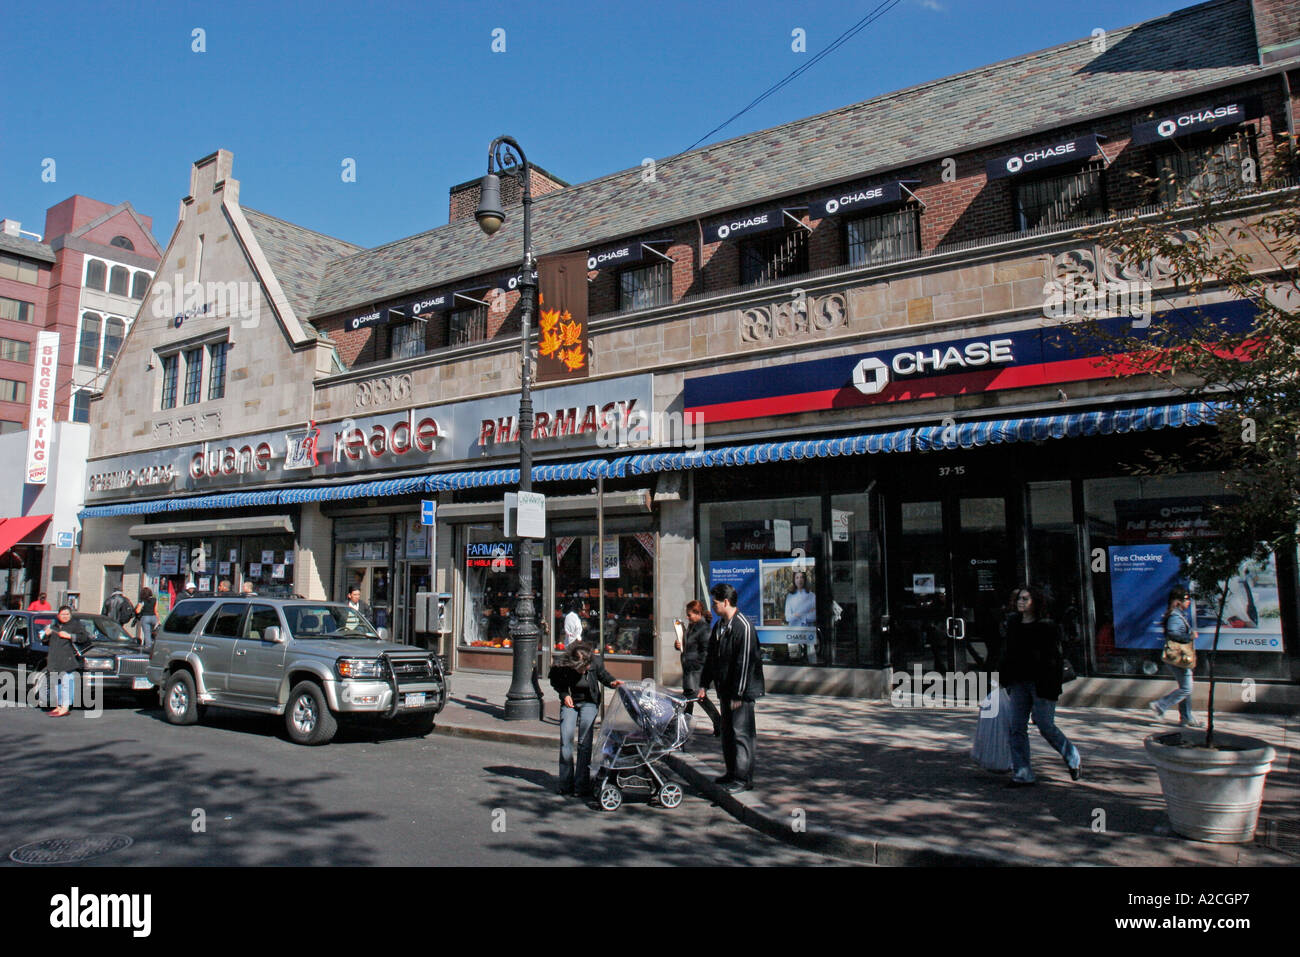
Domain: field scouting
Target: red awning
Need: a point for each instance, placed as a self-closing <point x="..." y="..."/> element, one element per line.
<point x="14" y="530"/>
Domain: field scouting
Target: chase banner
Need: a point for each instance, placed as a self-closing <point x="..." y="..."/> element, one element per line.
<point x="989" y="363"/>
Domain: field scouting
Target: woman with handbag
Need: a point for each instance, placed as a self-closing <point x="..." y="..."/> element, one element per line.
<point x="1032" y="663"/>
<point x="1179" y="654"/>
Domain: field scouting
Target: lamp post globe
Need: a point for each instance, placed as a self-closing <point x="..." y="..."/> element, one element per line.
<point x="489" y="213"/>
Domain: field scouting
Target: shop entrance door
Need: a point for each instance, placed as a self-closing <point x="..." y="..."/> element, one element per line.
<point x="373" y="582"/>
<point x="953" y="563"/>
<point x="413" y="578"/>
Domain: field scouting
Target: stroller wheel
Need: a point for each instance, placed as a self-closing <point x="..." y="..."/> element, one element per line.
<point x="611" y="797"/>
<point x="670" y="795"/>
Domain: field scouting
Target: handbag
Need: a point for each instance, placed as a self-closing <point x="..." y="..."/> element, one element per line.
<point x="1180" y="654"/>
<point x="1068" y="673"/>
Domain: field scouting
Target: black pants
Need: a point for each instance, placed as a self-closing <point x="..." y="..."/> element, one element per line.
<point x="690" y="688"/>
<point x="738" y="740"/>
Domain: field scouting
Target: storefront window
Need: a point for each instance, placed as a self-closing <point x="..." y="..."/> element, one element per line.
<point x="768" y="551"/>
<point x="855" y="578"/>
<point x="1054" y="564"/>
<point x="1133" y="524"/>
<point x="491" y="584"/>
<point x="626" y="568"/>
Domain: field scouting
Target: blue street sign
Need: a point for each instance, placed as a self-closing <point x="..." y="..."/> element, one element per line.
<point x="428" y="508"/>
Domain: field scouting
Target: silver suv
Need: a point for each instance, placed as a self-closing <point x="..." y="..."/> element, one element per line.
<point x="310" y="661"/>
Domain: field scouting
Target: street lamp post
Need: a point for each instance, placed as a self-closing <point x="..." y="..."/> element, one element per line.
<point x="505" y="157"/>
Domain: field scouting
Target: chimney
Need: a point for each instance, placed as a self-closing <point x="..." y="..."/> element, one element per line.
<point x="11" y="227"/>
<point x="1277" y="29"/>
<point x="464" y="197"/>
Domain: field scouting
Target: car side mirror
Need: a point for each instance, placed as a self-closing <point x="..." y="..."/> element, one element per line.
<point x="273" y="634"/>
<point x="384" y="633"/>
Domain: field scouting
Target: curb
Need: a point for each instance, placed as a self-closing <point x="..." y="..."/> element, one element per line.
<point x="891" y="852"/>
<point x="528" y="738"/>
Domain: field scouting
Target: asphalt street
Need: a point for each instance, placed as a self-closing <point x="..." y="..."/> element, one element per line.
<point x="234" y="791"/>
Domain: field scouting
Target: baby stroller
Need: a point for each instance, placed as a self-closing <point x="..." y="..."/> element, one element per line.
<point x="651" y="724"/>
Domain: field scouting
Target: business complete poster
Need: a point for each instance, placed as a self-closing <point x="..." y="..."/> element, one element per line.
<point x="777" y="594"/>
<point x="1142" y="576"/>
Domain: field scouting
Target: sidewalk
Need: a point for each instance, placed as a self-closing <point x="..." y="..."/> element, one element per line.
<point x="867" y="781"/>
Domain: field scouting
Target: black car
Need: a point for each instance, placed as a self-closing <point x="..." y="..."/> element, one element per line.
<point x="111" y="656"/>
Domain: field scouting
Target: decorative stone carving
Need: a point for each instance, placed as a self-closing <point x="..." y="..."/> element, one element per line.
<point x="797" y="317"/>
<point x="383" y="391"/>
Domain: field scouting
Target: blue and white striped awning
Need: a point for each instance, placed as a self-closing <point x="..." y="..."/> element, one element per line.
<point x="1077" y="425"/>
<point x="931" y="438"/>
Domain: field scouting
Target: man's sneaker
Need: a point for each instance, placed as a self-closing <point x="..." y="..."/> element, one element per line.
<point x="1191" y="723"/>
<point x="1155" y="709"/>
<point x="1076" y="772"/>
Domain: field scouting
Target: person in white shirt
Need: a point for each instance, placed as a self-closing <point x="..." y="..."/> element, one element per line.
<point x="572" y="625"/>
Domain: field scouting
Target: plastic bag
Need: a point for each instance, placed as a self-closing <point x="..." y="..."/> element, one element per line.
<point x="992" y="747"/>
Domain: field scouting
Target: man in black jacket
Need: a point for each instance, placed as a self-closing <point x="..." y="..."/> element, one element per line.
<point x="735" y="667"/>
<point x="361" y="607"/>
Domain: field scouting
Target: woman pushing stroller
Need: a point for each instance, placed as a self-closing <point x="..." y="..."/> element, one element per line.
<point x="576" y="678"/>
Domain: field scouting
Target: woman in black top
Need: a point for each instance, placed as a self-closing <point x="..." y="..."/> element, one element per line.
<point x="61" y="636"/>
<point x="146" y="612"/>
<point x="693" y="643"/>
<point x="1031" y="673"/>
<point x="576" y="678"/>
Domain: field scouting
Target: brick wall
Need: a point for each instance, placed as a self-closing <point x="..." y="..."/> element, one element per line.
<point x="464" y="197"/>
<point x="1277" y="22"/>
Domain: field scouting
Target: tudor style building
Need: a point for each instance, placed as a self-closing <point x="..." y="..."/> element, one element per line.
<point x="826" y="365"/>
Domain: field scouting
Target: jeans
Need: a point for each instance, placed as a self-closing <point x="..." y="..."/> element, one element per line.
<point x="1181" y="696"/>
<point x="738" y="735"/>
<point x="147" y="624"/>
<point x="1024" y="703"/>
<point x="582" y="719"/>
<point x="65" y="683"/>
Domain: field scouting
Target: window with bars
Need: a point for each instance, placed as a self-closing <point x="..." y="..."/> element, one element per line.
<point x="1066" y="198"/>
<point x="217" y="370"/>
<point x="406" y="340"/>
<point x="193" y="375"/>
<point x="884" y="236"/>
<point x="114" y="330"/>
<point x="467" y="325"/>
<point x="169" y="369"/>
<point x="1193" y="170"/>
<point x="774" y="255"/>
<point x="80" y="406"/>
<point x="645" y="286"/>
<point x="88" y="342"/>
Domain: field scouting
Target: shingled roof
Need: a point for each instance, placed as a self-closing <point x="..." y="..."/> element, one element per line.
<point x="298" y="256"/>
<point x="1157" y="60"/>
<point x="26" y="247"/>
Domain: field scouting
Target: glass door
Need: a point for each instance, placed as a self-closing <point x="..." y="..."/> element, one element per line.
<point x="952" y="563"/>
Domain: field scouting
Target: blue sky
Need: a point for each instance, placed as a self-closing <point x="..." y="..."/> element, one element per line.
<point x="117" y="97"/>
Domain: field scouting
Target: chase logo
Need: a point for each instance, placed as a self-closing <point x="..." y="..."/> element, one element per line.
<point x="870" y="376"/>
<point x="832" y="206"/>
<point x="724" y="232"/>
<point x="1015" y="164"/>
<point x="1167" y="128"/>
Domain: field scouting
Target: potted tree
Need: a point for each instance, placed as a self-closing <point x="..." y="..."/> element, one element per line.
<point x="1229" y="239"/>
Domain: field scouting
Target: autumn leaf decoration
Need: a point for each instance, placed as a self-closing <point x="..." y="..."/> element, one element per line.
<point x="560" y="338"/>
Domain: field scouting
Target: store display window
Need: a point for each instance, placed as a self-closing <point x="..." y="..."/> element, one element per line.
<point x="625" y="568"/>
<point x="767" y="550"/>
<point x="491" y="579"/>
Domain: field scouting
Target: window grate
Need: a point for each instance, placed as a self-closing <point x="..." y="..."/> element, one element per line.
<point x="773" y="256"/>
<point x="1053" y="200"/>
<point x="467" y="325"/>
<point x="645" y="286"/>
<point x="885" y="236"/>
<point x="1198" y="171"/>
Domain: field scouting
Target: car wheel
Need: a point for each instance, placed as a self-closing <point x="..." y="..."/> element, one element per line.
<point x="308" y="716"/>
<point x="419" y="724"/>
<point x="181" y="699"/>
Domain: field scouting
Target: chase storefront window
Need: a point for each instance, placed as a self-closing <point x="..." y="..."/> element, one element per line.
<point x="774" y="255"/>
<point x="1211" y="167"/>
<point x="644" y="287"/>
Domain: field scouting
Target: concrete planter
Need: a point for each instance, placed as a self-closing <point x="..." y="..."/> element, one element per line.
<point x="1212" y="795"/>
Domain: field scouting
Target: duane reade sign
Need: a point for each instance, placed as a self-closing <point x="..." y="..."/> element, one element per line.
<point x="40" y="428"/>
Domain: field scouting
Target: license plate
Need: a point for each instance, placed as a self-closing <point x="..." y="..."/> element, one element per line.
<point x="413" y="700"/>
<point x="141" y="684"/>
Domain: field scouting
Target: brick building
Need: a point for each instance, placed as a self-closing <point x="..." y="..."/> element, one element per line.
<point x="79" y="284"/>
<point x="856" y="310"/>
